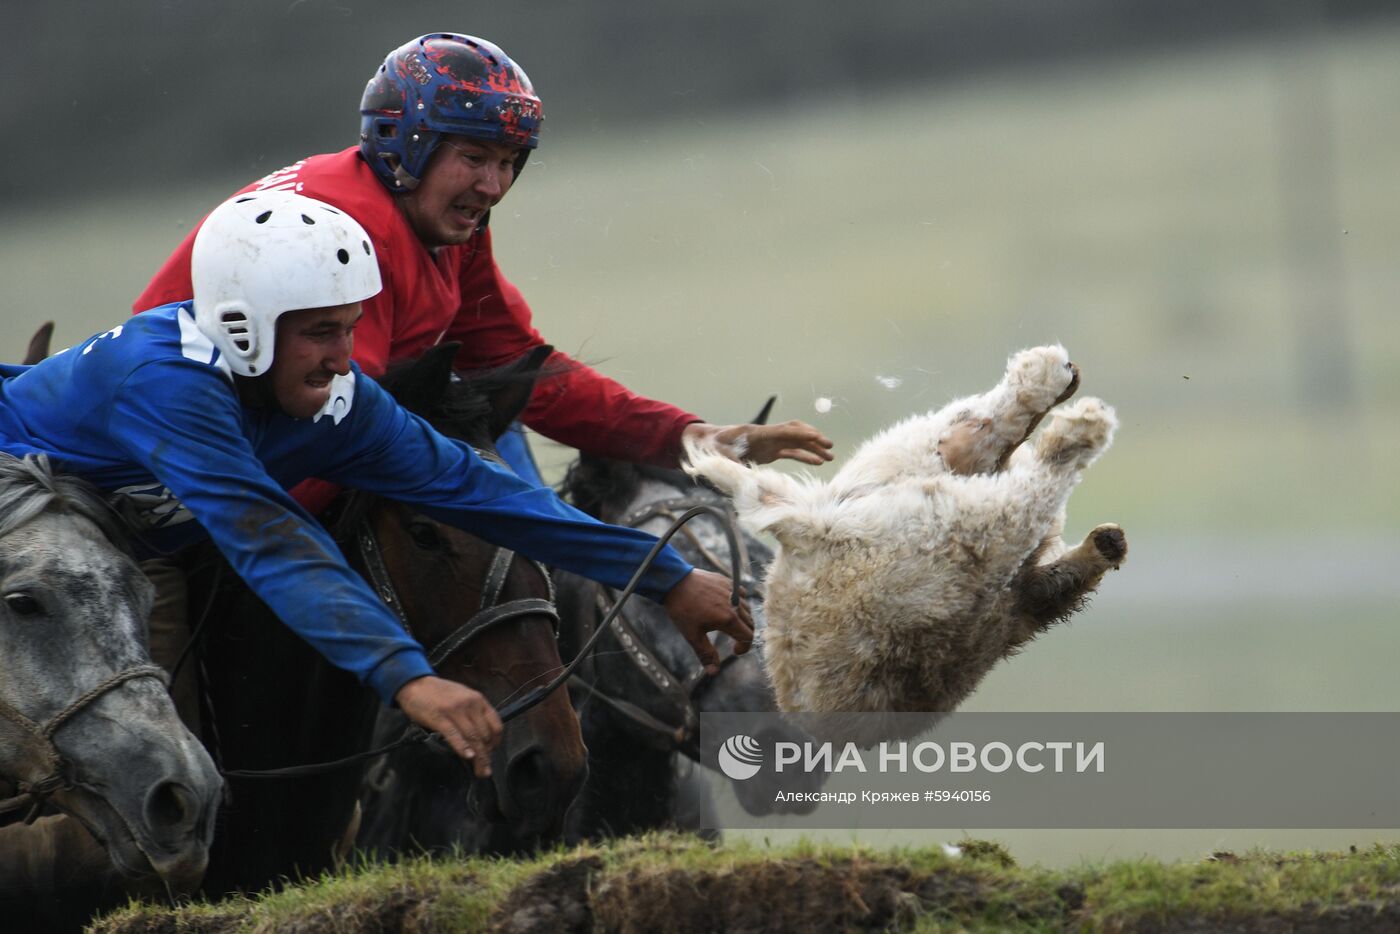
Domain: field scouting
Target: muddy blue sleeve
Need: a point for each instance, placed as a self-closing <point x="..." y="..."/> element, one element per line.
<point x="184" y="425"/>
<point x="404" y="458"/>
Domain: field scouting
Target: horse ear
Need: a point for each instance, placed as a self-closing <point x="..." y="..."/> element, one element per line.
<point x="39" y="344"/>
<point x="763" y="413"/>
<point x="518" y="384"/>
<point x="425" y="381"/>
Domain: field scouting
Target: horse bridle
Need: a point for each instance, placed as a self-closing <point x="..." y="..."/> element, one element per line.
<point x="492" y="612"/>
<point x="484" y="619"/>
<point x="680" y="729"/>
<point x="32" y="793"/>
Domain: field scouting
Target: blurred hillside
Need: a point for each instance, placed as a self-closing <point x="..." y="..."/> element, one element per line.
<point x="152" y="92"/>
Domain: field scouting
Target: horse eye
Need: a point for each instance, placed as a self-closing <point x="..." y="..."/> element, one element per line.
<point x="22" y="604"/>
<point x="425" y="534"/>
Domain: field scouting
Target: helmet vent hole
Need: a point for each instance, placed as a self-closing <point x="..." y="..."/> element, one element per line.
<point x="343" y="256"/>
<point x="262" y="218"/>
<point x="235" y="326"/>
<point x="306" y="220"/>
<point x="365" y="244"/>
<point x="244" y="198"/>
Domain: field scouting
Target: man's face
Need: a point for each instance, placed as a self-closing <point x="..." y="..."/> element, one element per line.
<point x="313" y="345"/>
<point x="464" y="179"/>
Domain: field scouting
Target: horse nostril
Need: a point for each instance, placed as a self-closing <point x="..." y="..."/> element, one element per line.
<point x="527" y="781"/>
<point x="171" y="805"/>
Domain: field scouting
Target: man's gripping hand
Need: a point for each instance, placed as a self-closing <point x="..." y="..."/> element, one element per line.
<point x="463" y="717"/>
<point x="762" y="444"/>
<point x="699" y="604"/>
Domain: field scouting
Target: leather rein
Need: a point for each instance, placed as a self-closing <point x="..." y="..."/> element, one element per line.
<point x="492" y="614"/>
<point x="678" y="725"/>
<point x="33" y="792"/>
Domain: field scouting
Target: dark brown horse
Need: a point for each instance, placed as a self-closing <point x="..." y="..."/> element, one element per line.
<point x="541" y="763"/>
<point x="272" y="702"/>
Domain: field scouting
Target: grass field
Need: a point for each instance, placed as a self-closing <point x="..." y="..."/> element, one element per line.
<point x="674" y="884"/>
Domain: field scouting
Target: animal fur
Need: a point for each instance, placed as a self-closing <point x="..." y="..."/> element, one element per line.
<point x="898" y="584"/>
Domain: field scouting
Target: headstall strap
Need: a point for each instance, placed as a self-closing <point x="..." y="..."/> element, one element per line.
<point x="378" y="573"/>
<point x="32" y="793"/>
<point x="492" y="612"/>
<point x="680" y="693"/>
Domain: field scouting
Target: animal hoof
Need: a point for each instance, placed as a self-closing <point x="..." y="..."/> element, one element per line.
<point x="1110" y="542"/>
<point x="1078" y="433"/>
<point x="1041" y="375"/>
<point x="1073" y="386"/>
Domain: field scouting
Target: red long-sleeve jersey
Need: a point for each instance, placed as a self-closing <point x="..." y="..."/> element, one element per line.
<point x="457" y="293"/>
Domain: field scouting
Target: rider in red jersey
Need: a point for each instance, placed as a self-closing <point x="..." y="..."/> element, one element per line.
<point x="447" y="124"/>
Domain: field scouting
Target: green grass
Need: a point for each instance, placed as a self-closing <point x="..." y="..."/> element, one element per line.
<point x="683" y="884"/>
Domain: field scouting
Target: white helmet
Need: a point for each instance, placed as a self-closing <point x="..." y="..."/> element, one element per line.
<point x="263" y="253"/>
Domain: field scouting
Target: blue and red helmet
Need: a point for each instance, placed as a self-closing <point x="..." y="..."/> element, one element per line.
<point x="438" y="84"/>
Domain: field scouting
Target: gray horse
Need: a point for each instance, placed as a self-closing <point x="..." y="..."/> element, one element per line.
<point x="642" y="692"/>
<point x="86" y="725"/>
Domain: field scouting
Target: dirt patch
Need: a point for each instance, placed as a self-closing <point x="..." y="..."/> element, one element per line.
<point x="170" y="922"/>
<point x="1380" y="918"/>
<point x="556" y="900"/>
<point x="803" y="894"/>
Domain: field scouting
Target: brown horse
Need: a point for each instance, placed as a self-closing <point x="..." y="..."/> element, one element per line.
<point x="273" y="702"/>
<point x="509" y="617"/>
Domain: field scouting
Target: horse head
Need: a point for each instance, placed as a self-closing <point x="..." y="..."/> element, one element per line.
<point x="662" y="708"/>
<point x="85" y="720"/>
<point x="486" y="617"/>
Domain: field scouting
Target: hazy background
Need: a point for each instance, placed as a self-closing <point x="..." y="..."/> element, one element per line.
<point x="875" y="204"/>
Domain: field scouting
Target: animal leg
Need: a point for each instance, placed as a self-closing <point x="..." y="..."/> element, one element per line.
<point x="996" y="423"/>
<point x="1049" y="593"/>
<point x="1077" y="435"/>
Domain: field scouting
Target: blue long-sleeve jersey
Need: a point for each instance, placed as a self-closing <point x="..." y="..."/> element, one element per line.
<point x="149" y="411"/>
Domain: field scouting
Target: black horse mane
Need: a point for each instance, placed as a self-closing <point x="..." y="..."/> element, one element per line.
<point x="460" y="405"/>
<point x="465" y="406"/>
<point x="604" y="488"/>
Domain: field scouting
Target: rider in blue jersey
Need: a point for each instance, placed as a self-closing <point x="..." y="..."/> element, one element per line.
<point x="200" y="415"/>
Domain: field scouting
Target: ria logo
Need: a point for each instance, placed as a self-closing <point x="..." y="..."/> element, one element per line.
<point x="740" y="757"/>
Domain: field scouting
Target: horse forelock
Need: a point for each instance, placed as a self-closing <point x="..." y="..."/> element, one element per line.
<point x="29" y="486"/>
<point x="607" y="489"/>
<point x="462" y="407"/>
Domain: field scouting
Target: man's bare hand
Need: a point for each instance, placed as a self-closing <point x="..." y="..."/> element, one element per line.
<point x="763" y="444"/>
<point x="463" y="717"/>
<point x="700" y="604"/>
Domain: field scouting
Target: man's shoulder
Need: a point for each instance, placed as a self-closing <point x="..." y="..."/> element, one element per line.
<point x="163" y="339"/>
<point x="340" y="179"/>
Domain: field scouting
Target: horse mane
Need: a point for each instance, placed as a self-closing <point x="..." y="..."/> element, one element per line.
<point x="463" y="406"/>
<point x="605" y="488"/>
<point x="29" y="486"/>
<point x="459" y="405"/>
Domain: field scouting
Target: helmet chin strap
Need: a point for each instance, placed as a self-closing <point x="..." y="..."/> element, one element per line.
<point x="405" y="181"/>
<point x="256" y="391"/>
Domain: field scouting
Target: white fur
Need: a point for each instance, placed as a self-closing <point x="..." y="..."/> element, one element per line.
<point x="892" y="588"/>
